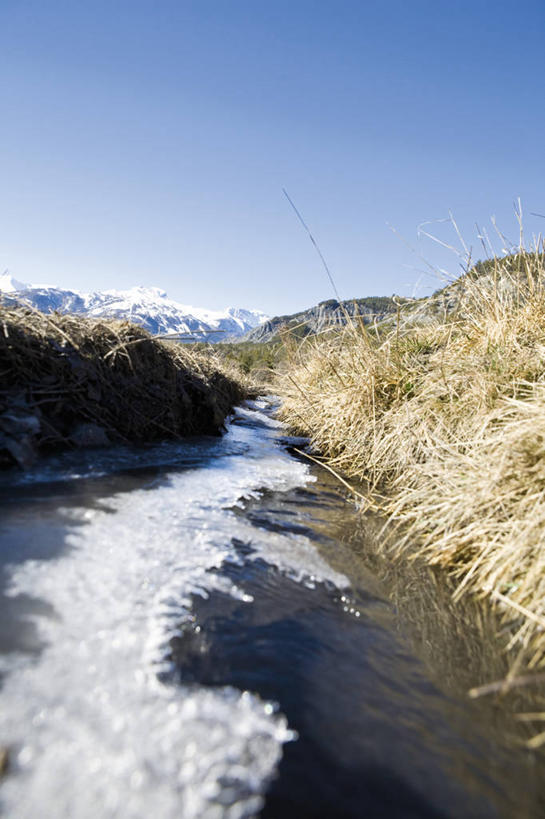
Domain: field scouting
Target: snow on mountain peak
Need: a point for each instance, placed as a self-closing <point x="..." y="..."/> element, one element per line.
<point x="148" y="306"/>
<point x="9" y="284"/>
<point x="141" y="292"/>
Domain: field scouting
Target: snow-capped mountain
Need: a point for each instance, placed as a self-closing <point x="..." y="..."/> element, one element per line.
<point x="149" y="307"/>
<point x="9" y="284"/>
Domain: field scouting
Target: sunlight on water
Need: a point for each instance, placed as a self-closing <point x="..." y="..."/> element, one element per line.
<point x="91" y="729"/>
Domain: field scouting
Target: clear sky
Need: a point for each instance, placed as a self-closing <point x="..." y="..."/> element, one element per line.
<point x="148" y="142"/>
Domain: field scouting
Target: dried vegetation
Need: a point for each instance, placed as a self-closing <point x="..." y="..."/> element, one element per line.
<point x="71" y="381"/>
<point x="442" y="414"/>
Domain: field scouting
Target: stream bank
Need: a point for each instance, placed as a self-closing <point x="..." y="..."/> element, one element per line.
<point x="72" y="382"/>
<point x="200" y="628"/>
<point x="441" y="411"/>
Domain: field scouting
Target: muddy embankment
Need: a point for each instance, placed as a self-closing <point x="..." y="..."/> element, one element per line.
<point x="68" y="381"/>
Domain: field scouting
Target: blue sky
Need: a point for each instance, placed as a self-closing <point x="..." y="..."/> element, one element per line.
<point x="149" y="142"/>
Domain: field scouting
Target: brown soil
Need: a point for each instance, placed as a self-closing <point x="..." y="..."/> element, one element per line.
<point x="68" y="381"/>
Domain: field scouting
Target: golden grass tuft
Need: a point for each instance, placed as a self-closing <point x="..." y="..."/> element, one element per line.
<point x="443" y="414"/>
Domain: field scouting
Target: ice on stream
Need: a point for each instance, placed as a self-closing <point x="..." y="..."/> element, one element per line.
<point x="92" y="731"/>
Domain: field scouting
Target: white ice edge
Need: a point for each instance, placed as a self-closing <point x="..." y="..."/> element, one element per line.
<point x="91" y="729"/>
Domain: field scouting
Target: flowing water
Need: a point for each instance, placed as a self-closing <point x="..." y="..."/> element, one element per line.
<point x="192" y="630"/>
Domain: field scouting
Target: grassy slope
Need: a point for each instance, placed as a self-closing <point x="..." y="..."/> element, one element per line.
<point x="302" y="323"/>
<point x="256" y="360"/>
<point x="444" y="414"/>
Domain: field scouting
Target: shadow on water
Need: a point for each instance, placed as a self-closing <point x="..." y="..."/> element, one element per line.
<point x="461" y="642"/>
<point x="374" y="678"/>
<point x="383" y="732"/>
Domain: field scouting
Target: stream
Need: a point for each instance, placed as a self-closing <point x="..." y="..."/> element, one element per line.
<point x="194" y="629"/>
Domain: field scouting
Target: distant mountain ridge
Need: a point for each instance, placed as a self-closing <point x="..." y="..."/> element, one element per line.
<point x="330" y="313"/>
<point x="149" y="307"/>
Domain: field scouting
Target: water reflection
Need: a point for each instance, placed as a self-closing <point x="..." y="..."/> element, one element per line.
<point x="374" y="680"/>
<point x="142" y="548"/>
<point x="461" y="641"/>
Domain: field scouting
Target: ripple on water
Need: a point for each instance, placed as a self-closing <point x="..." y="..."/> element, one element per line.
<point x="91" y="727"/>
<point x="179" y="645"/>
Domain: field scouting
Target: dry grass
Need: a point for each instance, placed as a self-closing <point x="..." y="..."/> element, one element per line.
<point x="67" y="379"/>
<point x="443" y="414"/>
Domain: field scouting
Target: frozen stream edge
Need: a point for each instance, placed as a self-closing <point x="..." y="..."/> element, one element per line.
<point x="91" y="729"/>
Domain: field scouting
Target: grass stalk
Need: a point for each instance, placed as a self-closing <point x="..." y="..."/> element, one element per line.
<point x="442" y="409"/>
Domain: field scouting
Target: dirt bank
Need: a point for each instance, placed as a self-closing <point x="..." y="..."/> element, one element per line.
<point x="68" y="381"/>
